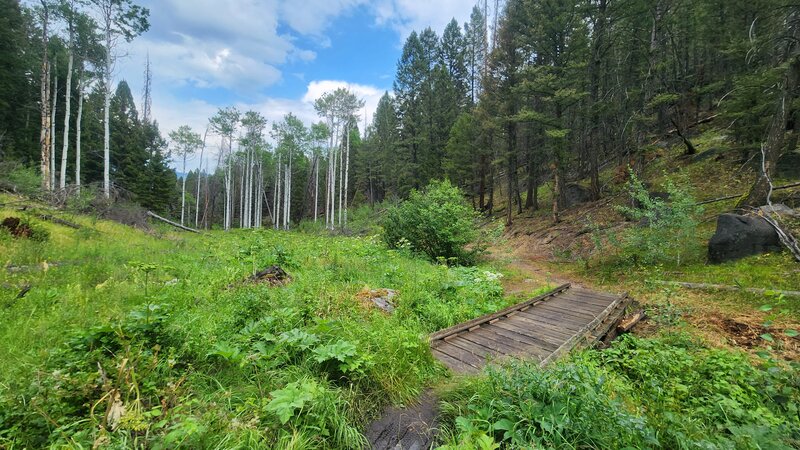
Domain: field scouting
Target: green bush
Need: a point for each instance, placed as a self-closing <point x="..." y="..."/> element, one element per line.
<point x="436" y="222"/>
<point x="671" y="392"/>
<point x="20" y="179"/>
<point x="666" y="229"/>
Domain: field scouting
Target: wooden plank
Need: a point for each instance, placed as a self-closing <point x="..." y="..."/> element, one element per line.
<point x="528" y="345"/>
<point x="541" y="326"/>
<point x="497" y="343"/>
<point x="459" y="354"/>
<point x="564" y="321"/>
<point x="479" y="352"/>
<point x="597" y="296"/>
<point x="575" y="311"/>
<point x="607" y="325"/>
<point x="580" y="312"/>
<point x="587" y="299"/>
<point x="570" y="343"/>
<point x="537" y="339"/>
<point x="547" y="332"/>
<point x="489" y="332"/>
<point x="584" y="298"/>
<point x="561" y="318"/>
<point x="609" y="295"/>
<point x="595" y="308"/>
<point x="454" y="364"/>
<point x="488" y="317"/>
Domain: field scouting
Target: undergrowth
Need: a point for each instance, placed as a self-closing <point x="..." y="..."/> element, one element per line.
<point x="129" y="340"/>
<point x="671" y="392"/>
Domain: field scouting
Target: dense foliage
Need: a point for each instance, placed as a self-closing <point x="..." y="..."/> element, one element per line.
<point x="563" y="88"/>
<point x="525" y="94"/>
<point x="666" y="224"/>
<point x="670" y="392"/>
<point x="436" y="222"/>
<point x="126" y="339"/>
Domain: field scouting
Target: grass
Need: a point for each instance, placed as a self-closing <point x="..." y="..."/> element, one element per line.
<point x="669" y="392"/>
<point x="154" y="340"/>
<point x="163" y="325"/>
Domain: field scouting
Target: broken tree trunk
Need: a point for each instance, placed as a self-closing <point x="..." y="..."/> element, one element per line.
<point x="167" y="221"/>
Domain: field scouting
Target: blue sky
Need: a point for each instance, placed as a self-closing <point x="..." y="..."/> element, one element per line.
<point x="273" y="56"/>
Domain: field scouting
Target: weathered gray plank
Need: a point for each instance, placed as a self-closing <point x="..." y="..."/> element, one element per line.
<point x="531" y="335"/>
<point x="492" y="342"/>
<point x="555" y="320"/>
<point x="584" y="304"/>
<point x="479" y="352"/>
<point x="464" y="356"/>
<point x="453" y="363"/>
<point x="577" y="312"/>
<point x="562" y="318"/>
<point x="554" y="337"/>
<point x="489" y="317"/>
<point x="542" y="328"/>
<point x="524" y="344"/>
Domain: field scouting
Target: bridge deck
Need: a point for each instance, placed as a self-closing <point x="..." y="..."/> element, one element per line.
<point x="541" y="328"/>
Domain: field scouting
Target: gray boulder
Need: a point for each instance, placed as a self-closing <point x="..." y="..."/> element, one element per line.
<point x="738" y="236"/>
<point x="575" y="194"/>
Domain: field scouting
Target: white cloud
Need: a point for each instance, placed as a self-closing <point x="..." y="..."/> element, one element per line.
<point x="205" y="64"/>
<point x="314" y="16"/>
<point x="173" y="112"/>
<point x="206" y="53"/>
<point x="415" y="15"/>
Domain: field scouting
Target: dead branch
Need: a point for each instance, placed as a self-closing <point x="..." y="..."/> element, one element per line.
<point x="59" y="221"/>
<point x="729" y="197"/>
<point x="785" y="236"/>
<point x="174" y="224"/>
<point x="692" y="125"/>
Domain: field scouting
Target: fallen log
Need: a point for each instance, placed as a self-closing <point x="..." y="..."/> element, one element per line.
<point x="174" y="224"/>
<point x="59" y="221"/>
<point x="630" y="321"/>
<point x="730" y="197"/>
<point x="723" y="287"/>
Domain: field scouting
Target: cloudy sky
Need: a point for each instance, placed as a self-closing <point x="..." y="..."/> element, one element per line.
<point x="274" y="56"/>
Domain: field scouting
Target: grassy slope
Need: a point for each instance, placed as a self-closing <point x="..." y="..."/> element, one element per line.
<point x="205" y="374"/>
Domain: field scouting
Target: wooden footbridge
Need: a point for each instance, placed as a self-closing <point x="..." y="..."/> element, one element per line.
<point x="541" y="329"/>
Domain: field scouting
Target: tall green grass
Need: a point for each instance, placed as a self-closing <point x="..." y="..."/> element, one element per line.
<point x="670" y="393"/>
<point x="129" y="338"/>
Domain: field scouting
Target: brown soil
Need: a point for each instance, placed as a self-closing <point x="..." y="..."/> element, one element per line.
<point x="746" y="332"/>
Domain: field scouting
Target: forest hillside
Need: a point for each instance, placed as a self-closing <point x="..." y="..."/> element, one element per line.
<point x="280" y="283"/>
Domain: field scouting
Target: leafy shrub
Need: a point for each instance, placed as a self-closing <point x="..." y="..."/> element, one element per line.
<point x="666" y="228"/>
<point x="15" y="177"/>
<point x="436" y="222"/>
<point x="670" y="392"/>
